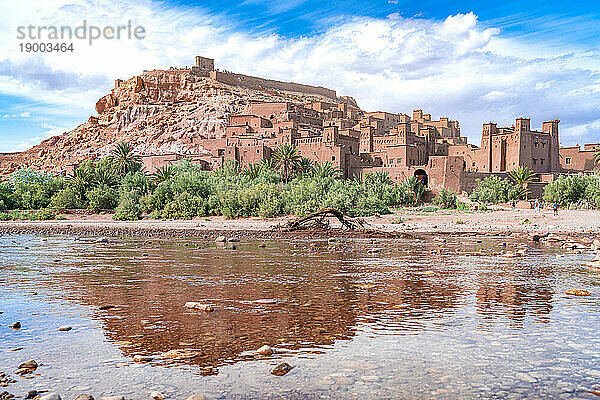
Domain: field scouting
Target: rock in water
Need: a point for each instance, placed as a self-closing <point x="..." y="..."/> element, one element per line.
<point x="112" y="398"/>
<point x="265" y="351"/>
<point x="107" y="307"/>
<point x="199" y="397"/>
<point x="281" y="369"/>
<point x="199" y="306"/>
<point x="101" y="240"/>
<point x="84" y="396"/>
<point x="138" y="358"/>
<point x="577" y="292"/>
<point x="50" y="396"/>
<point x="65" y="328"/>
<point x="6" y="396"/>
<point x="31" y="364"/>
<point x="15" y="325"/>
<point x="157" y="395"/>
<point x="220" y="239"/>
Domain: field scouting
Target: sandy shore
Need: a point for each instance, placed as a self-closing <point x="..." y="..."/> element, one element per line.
<point x="499" y="221"/>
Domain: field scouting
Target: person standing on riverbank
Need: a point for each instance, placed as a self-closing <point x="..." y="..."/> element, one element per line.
<point x="555" y="208"/>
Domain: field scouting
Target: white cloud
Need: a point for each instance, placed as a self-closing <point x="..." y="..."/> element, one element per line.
<point x="456" y="67"/>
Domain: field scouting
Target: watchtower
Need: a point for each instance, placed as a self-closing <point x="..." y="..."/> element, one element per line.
<point x="206" y="64"/>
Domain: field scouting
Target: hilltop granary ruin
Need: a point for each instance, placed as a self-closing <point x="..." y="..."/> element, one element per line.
<point x="321" y="125"/>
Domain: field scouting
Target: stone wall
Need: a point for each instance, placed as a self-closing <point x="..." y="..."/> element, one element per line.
<point x="260" y="83"/>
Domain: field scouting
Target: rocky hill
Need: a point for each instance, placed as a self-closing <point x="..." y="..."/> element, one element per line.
<point x="158" y="112"/>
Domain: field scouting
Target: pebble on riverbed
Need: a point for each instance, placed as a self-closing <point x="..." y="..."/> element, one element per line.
<point x="220" y="239"/>
<point x="6" y="396"/>
<point x="30" y="364"/>
<point x="265" y="351"/>
<point x="577" y="292"/>
<point x="199" y="397"/>
<point x="15" y="325"/>
<point x="84" y="396"/>
<point x="50" y="396"/>
<point x="138" y="358"/>
<point x="5" y="380"/>
<point x="199" y="306"/>
<point x="64" y="328"/>
<point x="157" y="395"/>
<point x="281" y="369"/>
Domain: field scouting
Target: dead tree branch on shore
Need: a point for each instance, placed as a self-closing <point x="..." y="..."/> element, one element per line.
<point x="319" y="219"/>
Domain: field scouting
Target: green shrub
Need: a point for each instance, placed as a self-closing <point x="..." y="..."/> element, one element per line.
<point x="495" y="190"/>
<point x="129" y="207"/>
<point x="184" y="206"/>
<point x="446" y="199"/>
<point x="135" y="182"/>
<point x="462" y="206"/>
<point x="33" y="190"/>
<point x="102" y="197"/>
<point x="482" y="207"/>
<point x="67" y="198"/>
<point x="566" y="190"/>
<point x="38" y="215"/>
<point x="592" y="191"/>
<point x="370" y="205"/>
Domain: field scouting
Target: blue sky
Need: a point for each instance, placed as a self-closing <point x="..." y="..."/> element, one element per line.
<point x="472" y="61"/>
<point x="558" y="20"/>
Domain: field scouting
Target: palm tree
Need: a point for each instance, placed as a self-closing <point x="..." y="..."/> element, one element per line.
<point x="268" y="164"/>
<point x="379" y="178"/>
<point x="82" y="180"/>
<point x="163" y="174"/>
<point x="358" y="178"/>
<point x="521" y="177"/>
<point x="253" y="170"/>
<point x="286" y="158"/>
<point x="325" y="170"/>
<point x="124" y="161"/>
<point x="305" y="165"/>
<point x="105" y="175"/>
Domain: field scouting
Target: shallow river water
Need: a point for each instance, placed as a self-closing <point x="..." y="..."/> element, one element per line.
<point x="417" y="319"/>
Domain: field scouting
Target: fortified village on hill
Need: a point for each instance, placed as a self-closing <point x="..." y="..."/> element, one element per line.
<point x="359" y="142"/>
<point x="326" y="128"/>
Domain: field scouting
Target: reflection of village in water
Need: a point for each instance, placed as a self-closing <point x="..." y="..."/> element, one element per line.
<point x="297" y="297"/>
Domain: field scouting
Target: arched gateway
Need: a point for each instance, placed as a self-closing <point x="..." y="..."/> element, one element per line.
<point x="421" y="175"/>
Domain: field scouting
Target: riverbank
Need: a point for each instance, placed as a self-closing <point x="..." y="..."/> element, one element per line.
<point x="404" y="221"/>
